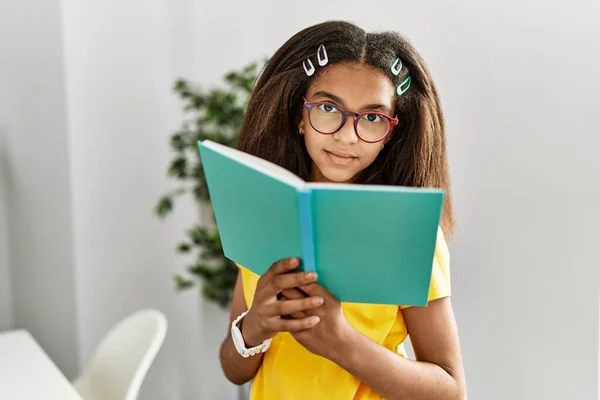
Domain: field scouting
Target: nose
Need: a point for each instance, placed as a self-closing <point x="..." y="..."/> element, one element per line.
<point x="346" y="134"/>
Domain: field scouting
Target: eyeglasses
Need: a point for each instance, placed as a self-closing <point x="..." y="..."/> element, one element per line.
<point x="370" y="126"/>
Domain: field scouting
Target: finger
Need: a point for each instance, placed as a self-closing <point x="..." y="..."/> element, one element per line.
<point x="297" y="315"/>
<point x="294" y="325"/>
<point x="293" y="293"/>
<point x="288" y="307"/>
<point x="281" y="282"/>
<point x="313" y="289"/>
<point x="282" y="266"/>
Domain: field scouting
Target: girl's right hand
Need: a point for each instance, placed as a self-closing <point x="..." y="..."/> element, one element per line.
<point x="267" y="316"/>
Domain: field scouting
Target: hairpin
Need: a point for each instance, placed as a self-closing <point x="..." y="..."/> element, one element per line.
<point x="321" y="58"/>
<point x="311" y="70"/>
<point x="400" y="90"/>
<point x="322" y="61"/>
<point x="397" y="68"/>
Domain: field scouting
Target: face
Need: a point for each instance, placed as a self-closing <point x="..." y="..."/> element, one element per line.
<point x="341" y="156"/>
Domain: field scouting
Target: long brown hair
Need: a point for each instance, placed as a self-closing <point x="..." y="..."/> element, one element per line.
<point x="416" y="153"/>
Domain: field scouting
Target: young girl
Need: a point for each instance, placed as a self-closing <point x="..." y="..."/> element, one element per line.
<point x="337" y="104"/>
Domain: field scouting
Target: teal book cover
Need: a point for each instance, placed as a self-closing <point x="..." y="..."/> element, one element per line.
<point x="369" y="244"/>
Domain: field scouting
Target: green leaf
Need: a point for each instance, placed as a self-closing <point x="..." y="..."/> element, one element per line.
<point x="178" y="167"/>
<point x="201" y="192"/>
<point x="213" y="234"/>
<point x="180" y="85"/>
<point x="182" y="283"/>
<point x="178" y="142"/>
<point x="198" y="100"/>
<point x="184" y="248"/>
<point x="202" y="270"/>
<point x="197" y="172"/>
<point x="164" y="206"/>
<point x="201" y="236"/>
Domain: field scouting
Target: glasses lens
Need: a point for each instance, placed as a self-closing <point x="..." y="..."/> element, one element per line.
<point x="326" y="118"/>
<point x="372" y="127"/>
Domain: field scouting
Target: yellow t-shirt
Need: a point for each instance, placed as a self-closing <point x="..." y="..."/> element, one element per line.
<point x="290" y="372"/>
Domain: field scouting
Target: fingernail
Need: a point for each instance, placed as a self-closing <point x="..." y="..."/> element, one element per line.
<point x="317" y="301"/>
<point x="311" y="275"/>
<point x="314" y="320"/>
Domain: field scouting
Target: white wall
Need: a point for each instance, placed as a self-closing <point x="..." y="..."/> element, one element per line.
<point x="526" y="263"/>
<point x="36" y="171"/>
<point x="519" y="87"/>
<point x="5" y="280"/>
<point x="121" y="59"/>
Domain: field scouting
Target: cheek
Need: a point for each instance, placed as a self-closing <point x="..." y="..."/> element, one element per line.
<point x="370" y="153"/>
<point x="314" y="140"/>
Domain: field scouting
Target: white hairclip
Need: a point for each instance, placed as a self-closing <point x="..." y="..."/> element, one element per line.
<point x="311" y="70"/>
<point x="322" y="61"/>
<point x="321" y="58"/>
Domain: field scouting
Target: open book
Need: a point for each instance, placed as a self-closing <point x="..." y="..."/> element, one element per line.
<point x="367" y="243"/>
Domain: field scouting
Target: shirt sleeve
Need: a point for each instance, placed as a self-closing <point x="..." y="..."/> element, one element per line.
<point x="440" y="274"/>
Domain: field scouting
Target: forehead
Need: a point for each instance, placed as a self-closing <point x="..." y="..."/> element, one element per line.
<point x="355" y="84"/>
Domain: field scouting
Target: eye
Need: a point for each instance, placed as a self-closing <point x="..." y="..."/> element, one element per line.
<point x="372" y="118"/>
<point x="328" y="108"/>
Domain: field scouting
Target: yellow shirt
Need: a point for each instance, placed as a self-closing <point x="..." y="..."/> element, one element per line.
<point x="290" y="372"/>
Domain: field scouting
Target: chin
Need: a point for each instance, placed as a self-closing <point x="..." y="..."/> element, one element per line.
<point x="339" y="176"/>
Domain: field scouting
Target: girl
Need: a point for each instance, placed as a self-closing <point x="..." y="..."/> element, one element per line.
<point x="337" y="104"/>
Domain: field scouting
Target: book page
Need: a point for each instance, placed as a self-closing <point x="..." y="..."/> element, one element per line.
<point x="379" y="188"/>
<point x="257" y="163"/>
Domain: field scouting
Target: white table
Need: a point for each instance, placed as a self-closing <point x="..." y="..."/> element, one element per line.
<point x="27" y="373"/>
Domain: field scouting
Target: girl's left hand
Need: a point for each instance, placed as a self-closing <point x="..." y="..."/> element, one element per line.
<point x="326" y="338"/>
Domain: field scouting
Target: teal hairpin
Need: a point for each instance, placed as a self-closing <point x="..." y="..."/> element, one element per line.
<point x="403" y="87"/>
<point x="396" y="68"/>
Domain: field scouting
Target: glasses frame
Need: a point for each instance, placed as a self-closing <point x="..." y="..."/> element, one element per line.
<point x="309" y="105"/>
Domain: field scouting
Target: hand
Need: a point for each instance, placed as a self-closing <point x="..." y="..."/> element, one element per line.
<point x="333" y="330"/>
<point x="267" y="315"/>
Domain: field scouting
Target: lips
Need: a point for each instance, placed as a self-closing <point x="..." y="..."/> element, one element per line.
<point x="340" y="157"/>
<point x="341" y="153"/>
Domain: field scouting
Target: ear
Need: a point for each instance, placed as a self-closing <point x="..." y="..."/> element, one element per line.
<point x="301" y="126"/>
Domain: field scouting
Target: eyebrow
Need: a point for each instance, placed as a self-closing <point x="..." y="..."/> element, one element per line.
<point x="337" y="99"/>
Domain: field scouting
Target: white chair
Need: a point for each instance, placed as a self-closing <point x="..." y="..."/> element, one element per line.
<point x="121" y="361"/>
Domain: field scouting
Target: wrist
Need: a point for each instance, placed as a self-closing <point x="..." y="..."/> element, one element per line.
<point x="240" y="343"/>
<point x="349" y="345"/>
<point x="247" y="328"/>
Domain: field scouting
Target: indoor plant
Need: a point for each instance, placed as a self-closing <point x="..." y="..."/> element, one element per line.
<point x="217" y="115"/>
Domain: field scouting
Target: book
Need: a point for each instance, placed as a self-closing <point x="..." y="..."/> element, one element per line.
<point x="369" y="244"/>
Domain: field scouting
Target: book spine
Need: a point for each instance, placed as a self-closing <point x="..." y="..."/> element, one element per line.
<point x="306" y="229"/>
